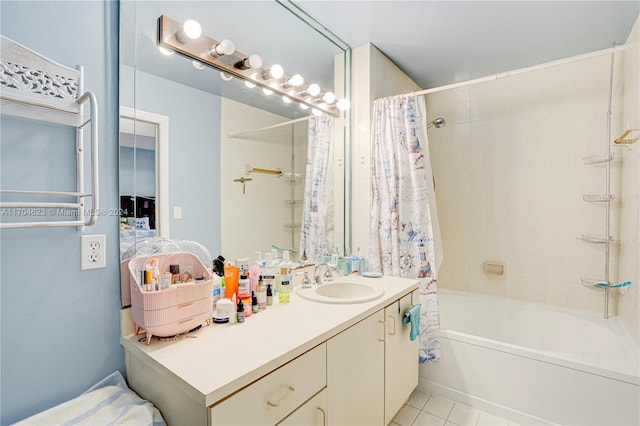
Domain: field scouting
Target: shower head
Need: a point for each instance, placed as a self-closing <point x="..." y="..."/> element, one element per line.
<point x="438" y="122"/>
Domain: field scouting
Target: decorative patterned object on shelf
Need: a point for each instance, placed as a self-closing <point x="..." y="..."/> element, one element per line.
<point x="44" y="83"/>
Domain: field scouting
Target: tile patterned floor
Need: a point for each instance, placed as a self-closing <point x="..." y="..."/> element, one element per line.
<point x="424" y="409"/>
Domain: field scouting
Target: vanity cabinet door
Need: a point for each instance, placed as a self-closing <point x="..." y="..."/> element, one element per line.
<point x="401" y="357"/>
<point x="355" y="375"/>
<point x="311" y="413"/>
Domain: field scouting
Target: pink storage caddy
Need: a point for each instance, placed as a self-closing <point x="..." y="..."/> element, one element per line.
<point x="176" y="310"/>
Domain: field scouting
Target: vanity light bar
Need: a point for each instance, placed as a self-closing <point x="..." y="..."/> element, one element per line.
<point x="199" y="50"/>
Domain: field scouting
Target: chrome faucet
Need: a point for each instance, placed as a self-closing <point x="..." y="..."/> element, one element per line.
<point x="328" y="275"/>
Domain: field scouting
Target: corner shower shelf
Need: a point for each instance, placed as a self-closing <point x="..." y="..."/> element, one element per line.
<point x="591" y="282"/>
<point x="602" y="284"/>
<point x="595" y="239"/>
<point x="598" y="159"/>
<point x="293" y="202"/>
<point x="35" y="87"/>
<point x="598" y="198"/>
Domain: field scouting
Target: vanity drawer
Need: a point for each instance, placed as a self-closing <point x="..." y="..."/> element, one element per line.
<point x="276" y="395"/>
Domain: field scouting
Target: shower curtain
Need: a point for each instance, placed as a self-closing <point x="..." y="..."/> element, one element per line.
<point x="316" y="232"/>
<point x="404" y="232"/>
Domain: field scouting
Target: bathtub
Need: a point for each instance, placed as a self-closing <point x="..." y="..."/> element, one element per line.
<point x="534" y="363"/>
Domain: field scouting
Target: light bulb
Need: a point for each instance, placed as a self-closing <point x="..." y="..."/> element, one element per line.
<point x="343" y="104"/>
<point x="286" y="100"/>
<point x="191" y="30"/>
<point x="249" y="84"/>
<point x="316" y="112"/>
<point x="276" y="71"/>
<point x="225" y="47"/>
<point x="165" y="51"/>
<point x="225" y="76"/>
<point x="296" y="81"/>
<point x="304" y="106"/>
<point x="252" y="62"/>
<point x="197" y="65"/>
<point x="255" y="62"/>
<point x="267" y="91"/>
<point x="329" y="97"/>
<point x="313" y="89"/>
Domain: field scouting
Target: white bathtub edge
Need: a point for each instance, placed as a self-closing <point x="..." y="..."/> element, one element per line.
<point x="516" y="416"/>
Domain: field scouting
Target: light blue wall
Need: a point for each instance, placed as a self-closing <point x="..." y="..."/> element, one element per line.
<point x="143" y="182"/>
<point x="194" y="151"/>
<point x="59" y="325"/>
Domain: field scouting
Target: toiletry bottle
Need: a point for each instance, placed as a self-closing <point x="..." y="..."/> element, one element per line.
<point x="240" y="311"/>
<point x="254" y="277"/>
<point x="269" y="275"/>
<point x="285" y="287"/>
<point x="244" y="285"/>
<point x="269" y="295"/>
<point x="261" y="294"/>
<point x="254" y="302"/>
<point x="246" y="302"/>
<point x="285" y="273"/>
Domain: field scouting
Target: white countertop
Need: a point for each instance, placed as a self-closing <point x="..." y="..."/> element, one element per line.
<point x="223" y="358"/>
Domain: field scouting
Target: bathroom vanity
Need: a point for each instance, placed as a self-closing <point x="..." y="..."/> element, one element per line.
<point x="299" y="363"/>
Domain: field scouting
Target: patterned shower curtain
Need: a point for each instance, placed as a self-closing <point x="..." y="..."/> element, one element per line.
<point x="316" y="232"/>
<point x="403" y="211"/>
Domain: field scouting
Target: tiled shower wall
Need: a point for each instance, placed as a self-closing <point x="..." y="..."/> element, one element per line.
<point x="255" y="219"/>
<point x="510" y="180"/>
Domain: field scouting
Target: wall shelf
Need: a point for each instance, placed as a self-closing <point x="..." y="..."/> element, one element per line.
<point x="595" y="239"/>
<point x="35" y="87"/>
<point x="598" y="198"/>
<point x="599" y="159"/>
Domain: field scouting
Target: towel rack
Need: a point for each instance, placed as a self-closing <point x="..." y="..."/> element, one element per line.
<point x="35" y="87"/>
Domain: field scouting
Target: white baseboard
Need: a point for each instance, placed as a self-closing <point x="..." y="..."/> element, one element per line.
<point x="519" y="417"/>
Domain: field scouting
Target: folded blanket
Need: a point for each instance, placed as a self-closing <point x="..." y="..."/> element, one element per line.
<point x="109" y="402"/>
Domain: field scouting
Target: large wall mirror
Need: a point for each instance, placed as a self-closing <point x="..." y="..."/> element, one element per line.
<point x="217" y="161"/>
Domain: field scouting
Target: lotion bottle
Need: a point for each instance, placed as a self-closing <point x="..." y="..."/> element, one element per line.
<point x="285" y="273"/>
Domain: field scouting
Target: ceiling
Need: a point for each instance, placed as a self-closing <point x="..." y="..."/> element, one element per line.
<point x="433" y="42"/>
<point x="442" y="42"/>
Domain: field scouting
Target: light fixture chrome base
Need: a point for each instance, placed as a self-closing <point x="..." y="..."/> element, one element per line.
<point x="198" y="50"/>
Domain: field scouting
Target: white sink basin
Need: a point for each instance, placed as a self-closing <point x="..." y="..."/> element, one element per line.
<point x="342" y="292"/>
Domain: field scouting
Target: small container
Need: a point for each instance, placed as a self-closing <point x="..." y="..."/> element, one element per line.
<point x="254" y="303"/>
<point x="269" y="295"/>
<point x="344" y="266"/>
<point x="240" y="311"/>
<point x="244" y="285"/>
<point x="246" y="301"/>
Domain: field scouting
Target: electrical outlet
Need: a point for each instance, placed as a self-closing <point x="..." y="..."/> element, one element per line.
<point x="92" y="252"/>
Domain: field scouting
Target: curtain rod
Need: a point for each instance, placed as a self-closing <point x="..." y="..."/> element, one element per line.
<point x="528" y="69"/>
<point x="275" y="126"/>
